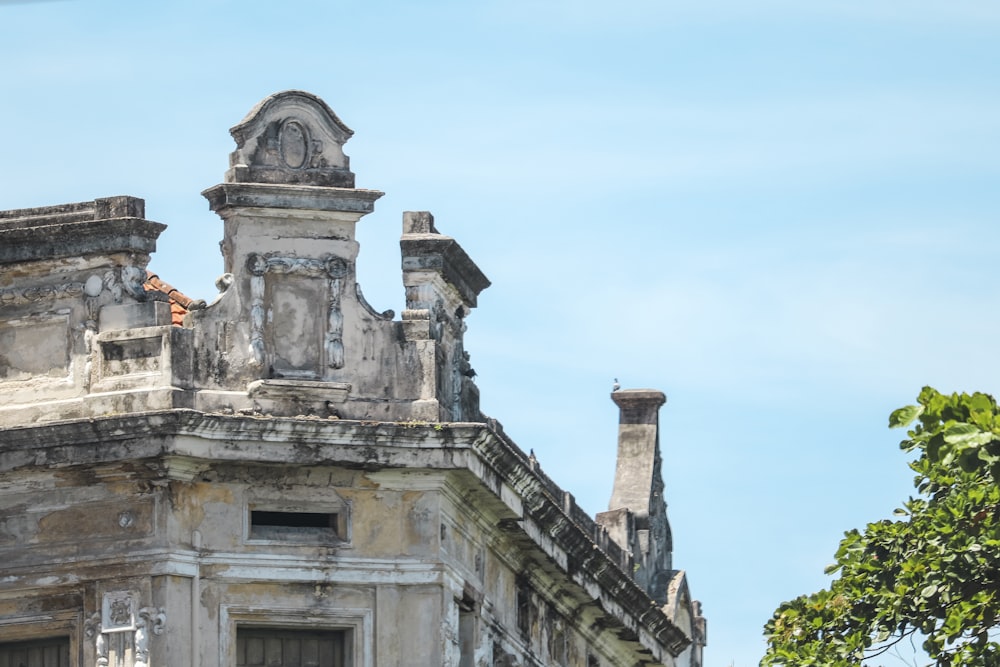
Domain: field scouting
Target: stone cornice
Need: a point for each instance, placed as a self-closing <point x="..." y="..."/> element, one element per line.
<point x="442" y="254"/>
<point x="60" y="239"/>
<point x="290" y="197"/>
<point x="481" y="449"/>
<point x="100" y="227"/>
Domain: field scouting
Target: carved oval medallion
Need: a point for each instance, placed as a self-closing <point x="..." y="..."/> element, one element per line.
<point x="293" y="144"/>
<point x="93" y="286"/>
<point x="336" y="267"/>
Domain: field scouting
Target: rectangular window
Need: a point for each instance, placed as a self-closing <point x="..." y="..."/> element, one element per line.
<point x="310" y="527"/>
<point x="278" y="647"/>
<point x="557" y="644"/>
<point x="37" y="653"/>
<point x="524" y="611"/>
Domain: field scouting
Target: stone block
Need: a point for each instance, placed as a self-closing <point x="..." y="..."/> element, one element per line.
<point x="134" y="315"/>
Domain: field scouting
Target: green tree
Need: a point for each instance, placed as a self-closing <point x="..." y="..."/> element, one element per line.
<point x="932" y="575"/>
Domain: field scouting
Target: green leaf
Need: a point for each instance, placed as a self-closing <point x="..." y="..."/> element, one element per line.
<point x="982" y="410"/>
<point x="905" y="415"/>
<point x="966" y="434"/>
<point x="934" y="447"/>
<point x="969" y="461"/>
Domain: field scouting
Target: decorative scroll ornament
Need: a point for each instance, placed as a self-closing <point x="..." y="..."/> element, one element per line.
<point x="14" y="296"/>
<point x="384" y="315"/>
<point x="118" y="282"/>
<point x="127" y="279"/>
<point x="335" y="269"/>
<point x="133" y="280"/>
<point x="92" y="630"/>
<point x="151" y="620"/>
<point x="257" y="266"/>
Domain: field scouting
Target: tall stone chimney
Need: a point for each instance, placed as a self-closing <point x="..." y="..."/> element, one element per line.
<point x="637" y="513"/>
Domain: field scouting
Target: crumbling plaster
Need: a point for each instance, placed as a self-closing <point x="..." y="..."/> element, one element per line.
<point x="290" y="394"/>
<point x="184" y="471"/>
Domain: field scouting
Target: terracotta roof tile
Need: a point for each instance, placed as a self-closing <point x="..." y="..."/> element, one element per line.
<point x="180" y="303"/>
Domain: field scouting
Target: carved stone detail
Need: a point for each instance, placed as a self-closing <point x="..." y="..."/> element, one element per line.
<point x="293" y="143"/>
<point x="92" y="630"/>
<point x="118" y="610"/>
<point x="287" y="143"/>
<point x="120" y="630"/>
<point x="127" y="279"/>
<point x="151" y="620"/>
<point x="291" y="137"/>
<point x="384" y="315"/>
<point x="133" y="280"/>
<point x="257" y="266"/>
<point x="13" y="296"/>
<point x="113" y="284"/>
<point x="334" y="268"/>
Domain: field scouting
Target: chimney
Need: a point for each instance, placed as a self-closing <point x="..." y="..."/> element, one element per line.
<point x="637" y="513"/>
<point x="638" y="482"/>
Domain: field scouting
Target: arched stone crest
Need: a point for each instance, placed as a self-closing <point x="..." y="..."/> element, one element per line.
<point x="291" y="137"/>
<point x="685" y="613"/>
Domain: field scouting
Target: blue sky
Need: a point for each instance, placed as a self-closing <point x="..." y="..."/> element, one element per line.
<point x="782" y="214"/>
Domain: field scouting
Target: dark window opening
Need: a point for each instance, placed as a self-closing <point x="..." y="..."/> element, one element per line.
<point x="524" y="611"/>
<point x="42" y="652"/>
<point x="260" y="647"/>
<point x="294" y="519"/>
<point x="557" y="644"/>
<point x="295" y="526"/>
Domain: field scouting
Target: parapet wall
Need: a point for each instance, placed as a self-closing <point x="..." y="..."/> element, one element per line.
<point x="83" y="334"/>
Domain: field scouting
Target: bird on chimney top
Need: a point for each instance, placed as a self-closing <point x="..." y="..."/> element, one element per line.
<point x="616" y="386"/>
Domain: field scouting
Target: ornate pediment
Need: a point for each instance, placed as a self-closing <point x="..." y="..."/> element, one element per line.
<point x="291" y="137"/>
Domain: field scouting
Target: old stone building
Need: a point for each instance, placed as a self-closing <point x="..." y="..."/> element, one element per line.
<point x="285" y="476"/>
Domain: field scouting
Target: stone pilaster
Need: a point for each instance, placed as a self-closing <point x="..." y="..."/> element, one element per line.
<point x="442" y="284"/>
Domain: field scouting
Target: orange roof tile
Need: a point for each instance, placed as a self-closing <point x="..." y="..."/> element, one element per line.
<point x="180" y="303"/>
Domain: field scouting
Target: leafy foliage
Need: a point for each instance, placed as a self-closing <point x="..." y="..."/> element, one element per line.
<point x="931" y="576"/>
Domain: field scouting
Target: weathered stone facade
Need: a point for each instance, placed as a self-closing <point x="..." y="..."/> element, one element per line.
<point x="288" y="476"/>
